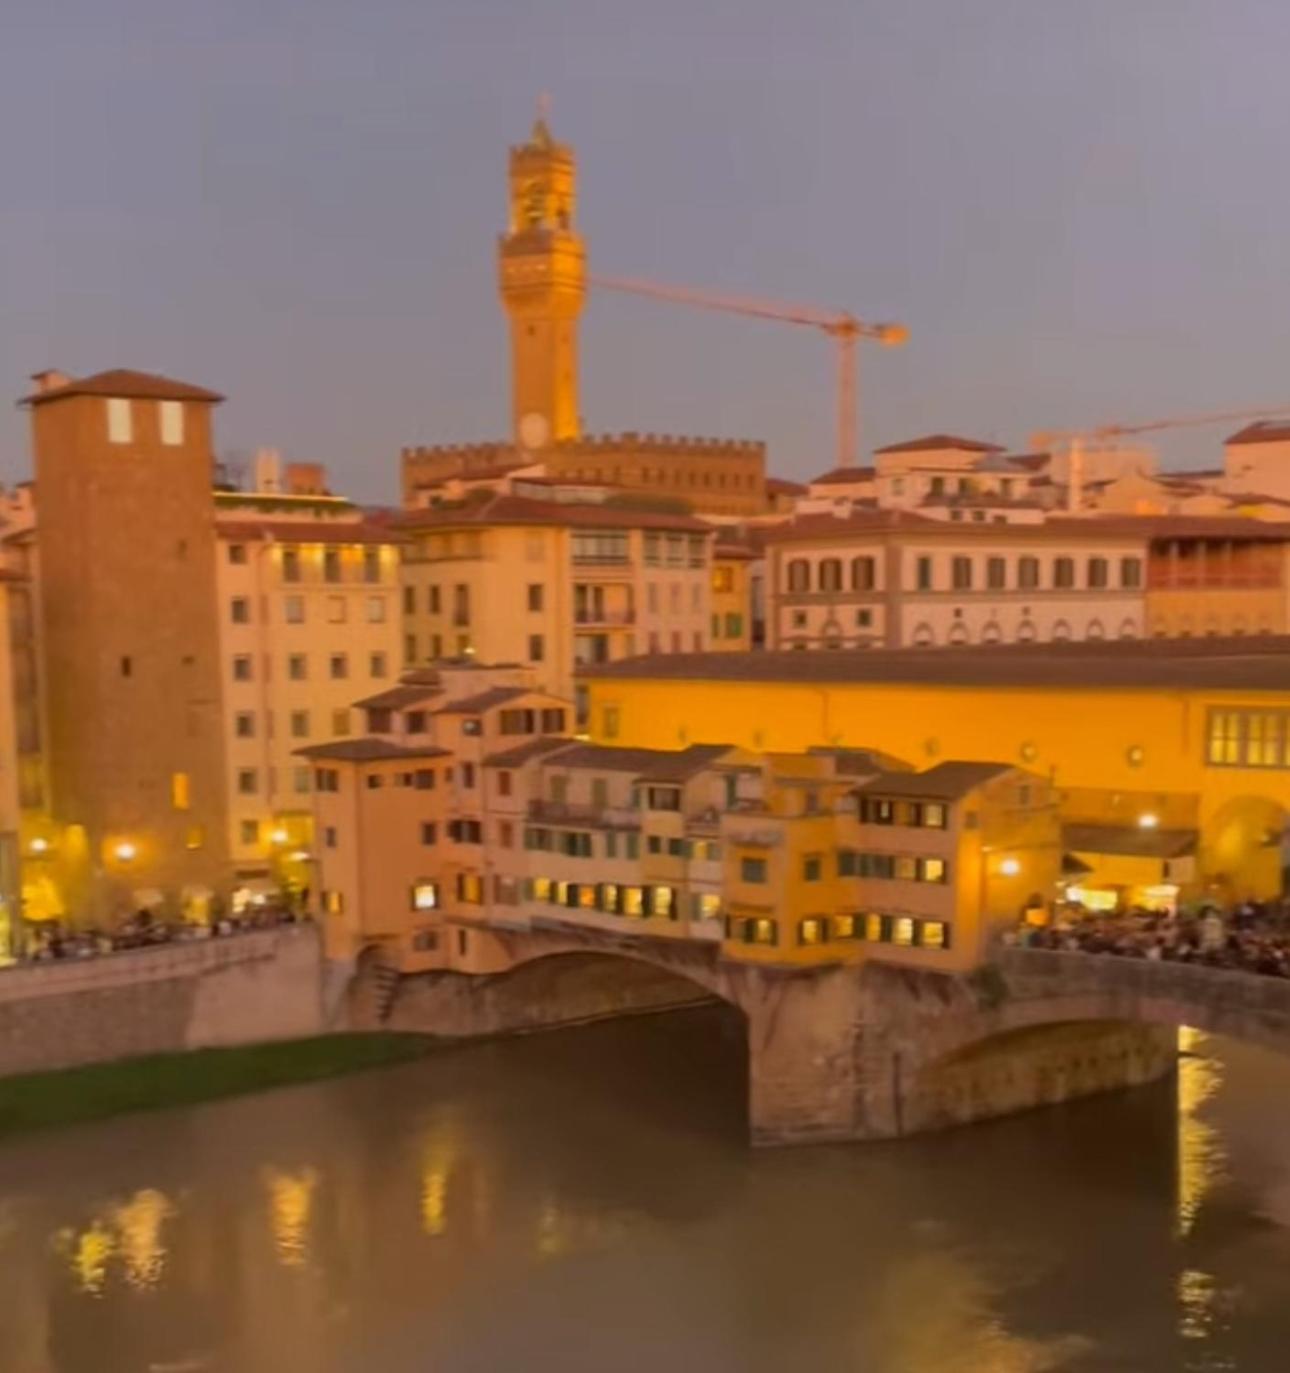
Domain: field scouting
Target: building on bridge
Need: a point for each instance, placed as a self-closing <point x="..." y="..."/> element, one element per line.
<point x="1189" y="738"/>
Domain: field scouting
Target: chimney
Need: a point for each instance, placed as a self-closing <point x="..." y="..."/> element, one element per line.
<point x="49" y="380"/>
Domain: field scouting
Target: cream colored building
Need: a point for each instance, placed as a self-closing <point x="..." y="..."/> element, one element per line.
<point x="309" y="618"/>
<point x="552" y="585"/>
<point x="894" y="579"/>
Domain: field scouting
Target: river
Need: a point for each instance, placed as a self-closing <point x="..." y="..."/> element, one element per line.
<point x="584" y="1201"/>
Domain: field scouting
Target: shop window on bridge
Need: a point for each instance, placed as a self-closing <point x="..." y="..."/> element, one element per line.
<point x="609" y="898"/>
<point x="470" y="888"/>
<point x="933" y="934"/>
<point x="539" y="888"/>
<point x="585" y="898"/>
<point x="931" y="815"/>
<point x="705" y="906"/>
<point x="874" y="811"/>
<point x="847" y="927"/>
<point x="760" y="930"/>
<point x="425" y="896"/>
<point x="1247" y="738"/>
<point x="813" y="930"/>
<point x="661" y="901"/>
<point x="902" y="930"/>
<point x="633" y="901"/>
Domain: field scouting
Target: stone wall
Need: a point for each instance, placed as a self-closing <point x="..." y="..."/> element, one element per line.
<point x="239" y="990"/>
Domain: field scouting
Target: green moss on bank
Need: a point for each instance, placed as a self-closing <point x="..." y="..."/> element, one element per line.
<point x="74" y="1095"/>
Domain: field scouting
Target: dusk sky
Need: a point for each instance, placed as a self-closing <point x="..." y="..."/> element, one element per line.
<point x="1079" y="209"/>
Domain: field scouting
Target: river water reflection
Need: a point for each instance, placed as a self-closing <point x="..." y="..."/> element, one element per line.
<point x="584" y="1201"/>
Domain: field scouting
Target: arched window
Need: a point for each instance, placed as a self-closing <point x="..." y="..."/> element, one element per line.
<point x="799" y="575"/>
<point x="923" y="636"/>
<point x="1098" y="575"/>
<point x="1096" y="630"/>
<point x="1026" y="631"/>
<point x="831" y="574"/>
<point x="958" y="632"/>
<point x="991" y="634"/>
<point x="862" y="574"/>
<point x="1061" y="631"/>
<point x="1128" y="630"/>
<point x="831" y="633"/>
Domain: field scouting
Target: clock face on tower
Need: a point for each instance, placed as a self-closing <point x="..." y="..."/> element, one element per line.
<point x="534" y="430"/>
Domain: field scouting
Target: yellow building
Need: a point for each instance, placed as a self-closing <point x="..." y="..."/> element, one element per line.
<point x="732" y="595"/>
<point x="550" y="585"/>
<point x="1191" y="738"/>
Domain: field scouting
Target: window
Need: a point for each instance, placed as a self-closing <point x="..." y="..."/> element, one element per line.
<point x="423" y="779"/>
<point x="831" y="574"/>
<point x="425" y="896"/>
<point x="330" y="839"/>
<point x="468" y="774"/>
<point x="249" y="831"/>
<point x="923" y="574"/>
<point x="662" y="798"/>
<point x="610" y="722"/>
<point x="734" y="625"/>
<point x="372" y="569"/>
<point x="932" y="870"/>
<point x="1098" y="573"/>
<point x="862" y="574"/>
<point x="409" y="600"/>
<point x="761" y="931"/>
<point x="799" y="575"/>
<point x="239" y="609"/>
<point x="752" y="870"/>
<point x="535" y="593"/>
<point x="297" y="667"/>
<point x="1028" y="573"/>
<point x="594" y="546"/>
<point x="414" y="722"/>
<point x="378" y="665"/>
<point x="1247" y="738"/>
<point x="338" y="666"/>
<point x="996" y="573"/>
<point x="376" y="610"/>
<point x="327" y="779"/>
<point x="331" y="565"/>
<point x="180" y="790"/>
<point x="1064" y="573"/>
<point x="170" y="421"/>
<point x="434" y="599"/>
<point x="300" y="780"/>
<point x="902" y="930"/>
<point x="241" y="668"/>
<point x="336" y="610"/>
<point x="374" y="781"/>
<point x="505" y="834"/>
<point x="961" y="574"/>
<point x="553" y="722"/>
<point x="237" y="554"/>
<point x="120" y="425"/>
<point x="244" y="724"/>
<point x="248" y="782"/>
<point x="503" y="783"/>
<point x="874" y="811"/>
<point x="290" y="564"/>
<point x="300" y="724"/>
<point x="933" y="815"/>
<point x="340" y="723"/>
<point x="333" y="902"/>
<point x="934" y="934"/>
<point x="293" y="610"/>
<point x="537" y="648"/>
<point x="1130" y="572"/>
<point x="846" y="927"/>
<point x="813" y="930"/>
<point x="811" y="866"/>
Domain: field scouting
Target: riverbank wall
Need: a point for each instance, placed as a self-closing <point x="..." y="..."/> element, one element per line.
<point x="242" y="989"/>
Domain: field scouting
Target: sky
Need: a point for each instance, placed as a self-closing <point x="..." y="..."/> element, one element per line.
<point x="1079" y="210"/>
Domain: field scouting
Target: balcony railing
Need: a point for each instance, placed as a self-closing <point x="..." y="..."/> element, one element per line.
<point x="593" y="615"/>
<point x="569" y="813"/>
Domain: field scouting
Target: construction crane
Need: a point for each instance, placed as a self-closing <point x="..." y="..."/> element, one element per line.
<point x="1078" y="438"/>
<point x="841" y="326"/>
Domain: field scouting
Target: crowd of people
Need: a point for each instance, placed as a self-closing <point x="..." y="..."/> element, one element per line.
<point x="145" y="930"/>
<point x="1253" y="937"/>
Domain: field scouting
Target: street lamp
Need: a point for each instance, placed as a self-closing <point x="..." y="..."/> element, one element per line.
<point x="1009" y="867"/>
<point x="1148" y="821"/>
<point x="125" y="852"/>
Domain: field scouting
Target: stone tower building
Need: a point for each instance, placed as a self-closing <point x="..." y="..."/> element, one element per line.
<point x="130" y="638"/>
<point x="541" y="276"/>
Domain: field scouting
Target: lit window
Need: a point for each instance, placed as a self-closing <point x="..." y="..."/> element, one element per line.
<point x="425" y="896"/>
<point x="934" y="870"/>
<point x="249" y="831"/>
<point x="762" y="931"/>
<point x="662" y="902"/>
<point x="171" y="416"/>
<point x="811" y="930"/>
<point x="875" y="929"/>
<point x="903" y="930"/>
<point x="120" y="425"/>
<point x="934" y="934"/>
<point x="195" y="837"/>
<point x="934" y="815"/>
<point x="846" y="927"/>
<point x="633" y="901"/>
<point x="334" y="902"/>
<point x="180" y="791"/>
<point x="541" y="889"/>
<point x="708" y="906"/>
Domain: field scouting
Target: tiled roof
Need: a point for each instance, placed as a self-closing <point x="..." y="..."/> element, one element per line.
<point x="1131" y="841"/>
<point x="523" y="510"/>
<point x="397" y="697"/>
<point x="780" y="486"/>
<point x="306" y="531"/>
<point x="845" y="476"/>
<point x="127" y="384"/>
<point x="369" y="750"/>
<point x="660" y="765"/>
<point x="537" y="747"/>
<point x="1241" y="664"/>
<point x="485" y="700"/>
<point x="806" y="528"/>
<point x="930" y="442"/>
<point x="946" y="781"/>
<point x="1262" y="431"/>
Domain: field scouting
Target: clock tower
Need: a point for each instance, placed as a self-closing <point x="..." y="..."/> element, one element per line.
<point x="541" y="276"/>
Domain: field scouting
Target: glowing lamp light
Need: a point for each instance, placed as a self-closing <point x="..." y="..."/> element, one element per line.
<point x="39" y="845"/>
<point x="1148" y="821"/>
<point x="125" y="851"/>
<point x="279" y="836"/>
<point x="300" y="856"/>
<point x="1010" y="867"/>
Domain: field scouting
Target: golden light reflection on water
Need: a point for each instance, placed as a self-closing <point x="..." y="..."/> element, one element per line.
<point x="1202" y="1159"/>
<point x="291" y="1200"/>
<point x="129" y="1230"/>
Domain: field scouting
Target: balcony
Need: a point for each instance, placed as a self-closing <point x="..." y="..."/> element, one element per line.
<point x="569" y="813"/>
<point x="599" y="617"/>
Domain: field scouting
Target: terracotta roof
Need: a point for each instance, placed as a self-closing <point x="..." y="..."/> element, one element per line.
<point x="1250" y="663"/>
<point x="306" y="531"/>
<point x="397" y="697"/>
<point x="485" y="700"/>
<point x="781" y="486"/>
<point x="652" y="764"/>
<point x="844" y="476"/>
<point x="531" y="748"/>
<point x="828" y="526"/>
<point x="931" y="442"/>
<point x="1131" y="841"/>
<point x="1029" y="462"/>
<point x="739" y="550"/>
<point x="980" y="500"/>
<point x="1262" y="431"/>
<point x="946" y="781"/>
<point x="369" y="750"/>
<point x="127" y="384"/>
<point x="523" y="510"/>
